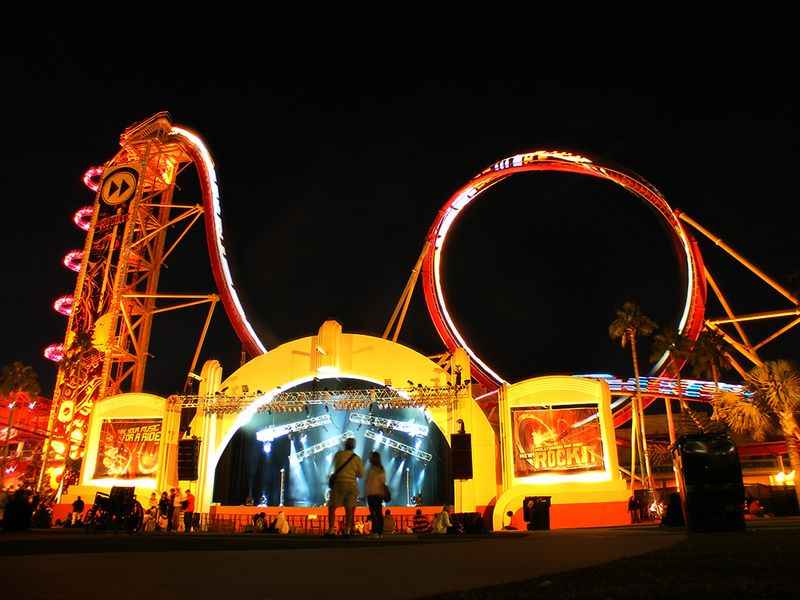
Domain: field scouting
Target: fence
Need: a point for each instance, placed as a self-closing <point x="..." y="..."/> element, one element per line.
<point x="310" y="524"/>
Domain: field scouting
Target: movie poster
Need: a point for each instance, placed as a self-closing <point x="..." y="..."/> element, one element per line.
<point x="560" y="440"/>
<point x="128" y="448"/>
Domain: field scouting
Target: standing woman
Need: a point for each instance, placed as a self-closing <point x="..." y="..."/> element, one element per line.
<point x="375" y="491"/>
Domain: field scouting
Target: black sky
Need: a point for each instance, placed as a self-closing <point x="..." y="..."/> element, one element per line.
<point x="330" y="180"/>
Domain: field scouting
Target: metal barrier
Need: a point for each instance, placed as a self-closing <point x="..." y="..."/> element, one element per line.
<point x="312" y="524"/>
<point x="303" y="524"/>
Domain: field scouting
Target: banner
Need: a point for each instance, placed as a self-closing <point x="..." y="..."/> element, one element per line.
<point x="128" y="449"/>
<point x="561" y="440"/>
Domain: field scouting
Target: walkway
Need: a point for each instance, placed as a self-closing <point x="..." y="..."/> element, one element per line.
<point x="55" y="566"/>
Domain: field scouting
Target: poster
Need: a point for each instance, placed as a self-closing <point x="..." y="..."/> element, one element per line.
<point x="128" y="448"/>
<point x="560" y="440"/>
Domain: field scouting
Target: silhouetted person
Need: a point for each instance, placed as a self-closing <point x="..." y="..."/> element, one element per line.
<point x="347" y="468"/>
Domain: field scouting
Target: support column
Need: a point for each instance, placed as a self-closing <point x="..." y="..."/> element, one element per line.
<point x="206" y="424"/>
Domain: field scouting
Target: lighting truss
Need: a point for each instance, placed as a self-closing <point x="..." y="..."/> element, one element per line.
<point x="298" y="401"/>
<point x="331" y="442"/>
<point x="269" y="434"/>
<point x="387" y="441"/>
<point x="409" y="427"/>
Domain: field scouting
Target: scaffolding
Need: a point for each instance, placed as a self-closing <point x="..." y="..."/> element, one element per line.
<point x="383" y="398"/>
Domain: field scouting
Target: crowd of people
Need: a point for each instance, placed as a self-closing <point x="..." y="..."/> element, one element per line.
<point x="22" y="508"/>
<point x="172" y="512"/>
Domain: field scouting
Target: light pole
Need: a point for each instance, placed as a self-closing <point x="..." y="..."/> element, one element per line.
<point x="408" y="486"/>
<point x="283" y="475"/>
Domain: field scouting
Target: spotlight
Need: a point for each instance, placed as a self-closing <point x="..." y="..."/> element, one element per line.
<point x="267" y="447"/>
<point x="245" y="389"/>
<point x="327" y="410"/>
<point x="223" y="390"/>
<point x="259" y="392"/>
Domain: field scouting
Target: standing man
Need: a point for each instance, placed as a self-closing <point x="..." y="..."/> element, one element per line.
<point x="177" y="509"/>
<point x="188" y="514"/>
<point x="77" y="511"/>
<point x="171" y="509"/>
<point x="347" y="468"/>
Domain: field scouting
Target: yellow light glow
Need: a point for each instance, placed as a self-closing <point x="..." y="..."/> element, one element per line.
<point x="782" y="478"/>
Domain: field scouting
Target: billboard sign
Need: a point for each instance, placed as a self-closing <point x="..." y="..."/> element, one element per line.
<point x="560" y="440"/>
<point x="128" y="449"/>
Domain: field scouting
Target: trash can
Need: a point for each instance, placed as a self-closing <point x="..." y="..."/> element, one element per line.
<point x="712" y="476"/>
<point x="536" y="511"/>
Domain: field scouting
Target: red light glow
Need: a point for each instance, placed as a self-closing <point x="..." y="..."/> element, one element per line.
<point x="83" y="217"/>
<point x="73" y="260"/>
<point x="92" y="178"/>
<point x="54" y="352"/>
<point x="63" y="305"/>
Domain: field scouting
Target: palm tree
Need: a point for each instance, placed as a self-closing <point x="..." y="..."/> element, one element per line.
<point x="709" y="357"/>
<point x="676" y="346"/>
<point x="679" y="348"/>
<point x="774" y="400"/>
<point x="18" y="382"/>
<point x="627" y="327"/>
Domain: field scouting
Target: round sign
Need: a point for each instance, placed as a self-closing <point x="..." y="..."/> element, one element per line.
<point x="119" y="186"/>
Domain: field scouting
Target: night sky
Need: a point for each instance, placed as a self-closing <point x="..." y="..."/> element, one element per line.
<point x="330" y="180"/>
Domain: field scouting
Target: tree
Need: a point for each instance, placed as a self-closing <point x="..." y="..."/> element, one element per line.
<point x="18" y="379"/>
<point x="770" y="406"/>
<point x="709" y="357"/>
<point x="18" y="382"/>
<point x="627" y="327"/>
<point x="679" y="349"/>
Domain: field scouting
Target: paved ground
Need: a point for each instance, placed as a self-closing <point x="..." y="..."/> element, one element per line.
<point x="759" y="563"/>
<point x="58" y="564"/>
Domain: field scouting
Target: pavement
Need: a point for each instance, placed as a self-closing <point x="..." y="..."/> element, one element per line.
<point x="72" y="564"/>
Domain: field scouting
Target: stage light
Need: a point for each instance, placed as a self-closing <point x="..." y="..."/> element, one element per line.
<point x="245" y="389"/>
<point x="267" y="447"/>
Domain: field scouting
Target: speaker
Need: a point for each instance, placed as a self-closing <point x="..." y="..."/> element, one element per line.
<point x="712" y="475"/>
<point x="471" y="522"/>
<point x="461" y="455"/>
<point x="188" y="456"/>
<point x="121" y="499"/>
<point x="536" y="512"/>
